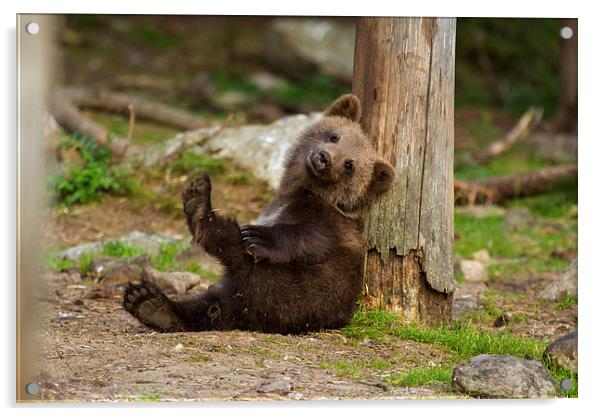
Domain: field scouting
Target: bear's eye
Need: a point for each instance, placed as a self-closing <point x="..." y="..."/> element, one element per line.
<point x="333" y="138"/>
<point x="348" y="165"/>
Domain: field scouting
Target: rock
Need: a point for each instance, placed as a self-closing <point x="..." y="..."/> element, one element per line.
<point x="517" y="218"/>
<point x="503" y="319"/>
<point x="473" y="271"/>
<point x="277" y="387"/>
<point x="503" y="376"/>
<point x="259" y="148"/>
<point x="109" y="270"/>
<point x="175" y="282"/>
<point x="466" y="298"/>
<point x="266" y="82"/>
<point x="298" y="45"/>
<point x="149" y="243"/>
<point x="76" y="252"/>
<point x="564" y="285"/>
<point x="563" y="351"/>
<point x="482" y="256"/>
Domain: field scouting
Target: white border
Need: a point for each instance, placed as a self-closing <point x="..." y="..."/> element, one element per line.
<point x="590" y="153"/>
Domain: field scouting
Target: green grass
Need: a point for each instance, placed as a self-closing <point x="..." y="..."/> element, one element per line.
<point x="121" y="250"/>
<point x="316" y="92"/>
<point x="165" y="260"/>
<point x="421" y="376"/>
<point x="189" y="163"/>
<point x="239" y="178"/>
<point x="461" y="339"/>
<point x="567" y="302"/>
<point x="530" y="248"/>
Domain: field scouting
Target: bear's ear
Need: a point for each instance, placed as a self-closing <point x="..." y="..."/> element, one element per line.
<point x="347" y="106"/>
<point x="383" y="176"/>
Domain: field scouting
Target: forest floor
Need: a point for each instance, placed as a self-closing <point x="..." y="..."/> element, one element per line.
<point x="92" y="350"/>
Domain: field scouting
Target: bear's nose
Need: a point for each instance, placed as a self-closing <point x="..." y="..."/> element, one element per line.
<point x="323" y="160"/>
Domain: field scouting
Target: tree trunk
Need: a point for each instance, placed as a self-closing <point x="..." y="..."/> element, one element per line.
<point x="404" y="75"/>
<point x="566" y="119"/>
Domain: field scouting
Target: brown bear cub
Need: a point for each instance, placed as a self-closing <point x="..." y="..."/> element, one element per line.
<point x="300" y="267"/>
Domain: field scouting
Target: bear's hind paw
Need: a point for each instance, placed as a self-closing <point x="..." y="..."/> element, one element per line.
<point x="149" y="305"/>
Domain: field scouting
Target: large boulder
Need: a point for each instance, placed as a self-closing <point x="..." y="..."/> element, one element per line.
<point x="260" y="148"/>
<point x="298" y="45"/>
<point x="503" y="376"/>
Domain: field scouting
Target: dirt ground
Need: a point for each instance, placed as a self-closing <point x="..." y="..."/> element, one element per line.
<point x="92" y="350"/>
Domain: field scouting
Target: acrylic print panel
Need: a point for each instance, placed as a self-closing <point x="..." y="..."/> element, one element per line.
<point x="206" y="214"/>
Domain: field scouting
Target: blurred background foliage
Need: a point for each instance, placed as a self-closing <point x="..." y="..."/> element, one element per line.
<point x="503" y="64"/>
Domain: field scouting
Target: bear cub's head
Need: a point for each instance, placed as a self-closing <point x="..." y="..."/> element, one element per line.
<point x="335" y="160"/>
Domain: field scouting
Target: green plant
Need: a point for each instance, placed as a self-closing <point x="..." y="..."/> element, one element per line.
<point x="93" y="178"/>
<point x="566" y="302"/>
<point x="421" y="376"/>
<point x="121" y="250"/>
<point x="189" y="163"/>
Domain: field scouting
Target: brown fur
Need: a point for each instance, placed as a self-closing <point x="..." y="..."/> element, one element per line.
<point x="300" y="267"/>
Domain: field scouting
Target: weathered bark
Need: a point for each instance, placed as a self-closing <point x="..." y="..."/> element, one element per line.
<point x="566" y="119"/>
<point x="501" y="188"/>
<point x="404" y="76"/>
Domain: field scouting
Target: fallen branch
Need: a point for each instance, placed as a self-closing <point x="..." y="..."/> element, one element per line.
<point x="68" y="116"/>
<point x="65" y="106"/>
<point x="498" y="189"/>
<point x="519" y="132"/>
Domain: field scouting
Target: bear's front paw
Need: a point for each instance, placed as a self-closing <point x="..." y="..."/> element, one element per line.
<point x="197" y="194"/>
<point x="149" y="305"/>
<point x="256" y="242"/>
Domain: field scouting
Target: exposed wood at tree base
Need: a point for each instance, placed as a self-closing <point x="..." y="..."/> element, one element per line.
<point x="399" y="284"/>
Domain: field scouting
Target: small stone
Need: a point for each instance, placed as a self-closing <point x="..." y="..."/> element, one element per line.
<point x="466" y="298"/>
<point x="296" y="395"/>
<point x="503" y="319"/>
<point x="110" y="270"/>
<point x="518" y="218"/>
<point x="482" y="256"/>
<point x="503" y="376"/>
<point x="179" y="347"/>
<point x="564" y="285"/>
<point x="175" y="282"/>
<point x="266" y="81"/>
<point x="473" y="271"/>
<point x="564" y="352"/>
<point x="278" y="387"/>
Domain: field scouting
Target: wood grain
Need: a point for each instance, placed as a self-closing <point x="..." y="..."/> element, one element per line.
<point x="404" y="76"/>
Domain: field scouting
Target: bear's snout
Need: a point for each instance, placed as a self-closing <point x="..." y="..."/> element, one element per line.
<point x="321" y="160"/>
